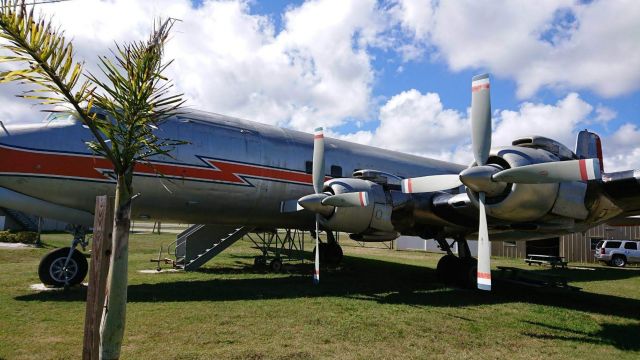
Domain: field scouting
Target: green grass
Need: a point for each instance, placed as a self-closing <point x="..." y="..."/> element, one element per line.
<point x="382" y="304"/>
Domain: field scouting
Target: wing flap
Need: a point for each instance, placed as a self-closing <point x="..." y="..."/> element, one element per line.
<point x="623" y="188"/>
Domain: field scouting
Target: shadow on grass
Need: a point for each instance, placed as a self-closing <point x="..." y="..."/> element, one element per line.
<point x="613" y="334"/>
<point x="367" y="279"/>
<point x="386" y="282"/>
<point x="587" y="274"/>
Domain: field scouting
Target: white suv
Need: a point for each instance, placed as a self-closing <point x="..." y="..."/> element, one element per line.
<point x="618" y="252"/>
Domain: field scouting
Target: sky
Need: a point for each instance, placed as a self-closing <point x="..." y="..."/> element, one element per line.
<point x="394" y="74"/>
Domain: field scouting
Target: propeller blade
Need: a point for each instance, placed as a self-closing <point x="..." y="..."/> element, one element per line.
<point x="288" y="206"/>
<point x="313" y="202"/>
<point x="551" y="172"/>
<point x="316" y="267"/>
<point x="430" y="183"/>
<point x="484" y="248"/>
<point x="480" y="118"/>
<point x="353" y="199"/>
<point x="318" y="160"/>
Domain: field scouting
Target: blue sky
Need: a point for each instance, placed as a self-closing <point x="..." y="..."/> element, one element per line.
<point x="391" y="73"/>
<point x="429" y="75"/>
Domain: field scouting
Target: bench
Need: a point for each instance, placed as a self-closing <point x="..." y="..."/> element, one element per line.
<point x="546" y="260"/>
<point x="528" y="278"/>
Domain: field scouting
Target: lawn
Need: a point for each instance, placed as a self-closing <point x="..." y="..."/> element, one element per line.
<point x="381" y="304"/>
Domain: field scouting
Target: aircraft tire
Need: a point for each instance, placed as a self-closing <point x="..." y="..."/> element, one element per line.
<point x="50" y="269"/>
<point x="447" y="268"/>
<point x="334" y="254"/>
<point x="330" y="253"/>
<point x="276" y="265"/>
<point x="468" y="273"/>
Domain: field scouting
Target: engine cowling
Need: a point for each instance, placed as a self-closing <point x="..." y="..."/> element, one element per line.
<point x="373" y="218"/>
<point x="520" y="202"/>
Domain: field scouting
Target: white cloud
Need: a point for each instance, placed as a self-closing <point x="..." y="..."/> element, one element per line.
<point x="620" y="149"/>
<point x="228" y="60"/>
<point x="558" y="44"/>
<point x="559" y="122"/>
<point x="420" y="124"/>
<point x="317" y="68"/>
<point x="416" y="123"/>
<point x="605" y="114"/>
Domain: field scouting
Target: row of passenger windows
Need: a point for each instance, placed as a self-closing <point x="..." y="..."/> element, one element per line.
<point x="336" y="171"/>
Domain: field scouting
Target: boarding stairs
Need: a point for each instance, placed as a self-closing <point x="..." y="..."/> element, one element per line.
<point x="22" y="219"/>
<point x="200" y="243"/>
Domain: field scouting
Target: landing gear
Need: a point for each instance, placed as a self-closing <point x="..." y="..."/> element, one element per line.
<point x="276" y="265"/>
<point x="447" y="267"/>
<point x="458" y="270"/>
<point x="330" y="252"/>
<point x="65" y="266"/>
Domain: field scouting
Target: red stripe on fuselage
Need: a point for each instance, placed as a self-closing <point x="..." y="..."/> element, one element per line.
<point x="32" y="162"/>
<point x="87" y="167"/>
<point x="482" y="275"/>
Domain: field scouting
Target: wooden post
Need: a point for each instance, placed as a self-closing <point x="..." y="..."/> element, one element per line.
<point x="98" y="270"/>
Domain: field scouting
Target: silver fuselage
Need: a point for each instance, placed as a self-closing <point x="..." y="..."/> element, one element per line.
<point x="232" y="171"/>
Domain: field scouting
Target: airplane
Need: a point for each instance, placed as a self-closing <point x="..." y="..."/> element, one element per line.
<point x="238" y="172"/>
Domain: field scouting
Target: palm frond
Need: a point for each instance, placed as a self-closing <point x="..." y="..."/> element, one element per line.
<point x="47" y="61"/>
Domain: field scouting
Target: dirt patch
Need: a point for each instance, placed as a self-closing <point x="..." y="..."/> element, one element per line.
<point x="4" y="245"/>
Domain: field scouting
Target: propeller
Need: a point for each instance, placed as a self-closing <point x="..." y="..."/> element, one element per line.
<point x="489" y="179"/>
<point x="321" y="203"/>
<point x="317" y="174"/>
<point x="430" y="183"/>
<point x="481" y="144"/>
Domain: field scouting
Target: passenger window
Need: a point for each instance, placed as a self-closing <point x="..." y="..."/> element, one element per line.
<point x="631" y="246"/>
<point x="336" y="171"/>
<point x="612" y="244"/>
<point x="308" y="167"/>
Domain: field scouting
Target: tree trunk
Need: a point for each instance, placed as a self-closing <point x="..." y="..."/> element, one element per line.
<point x="114" y="314"/>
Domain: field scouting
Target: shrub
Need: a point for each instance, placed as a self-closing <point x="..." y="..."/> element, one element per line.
<point x="7" y="236"/>
<point x="25" y="237"/>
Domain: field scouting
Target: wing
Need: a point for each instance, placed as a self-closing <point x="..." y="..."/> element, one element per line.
<point x="623" y="188"/>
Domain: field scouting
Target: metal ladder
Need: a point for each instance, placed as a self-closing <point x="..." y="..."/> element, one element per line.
<point x="25" y="221"/>
<point x="200" y="243"/>
<point x="218" y="246"/>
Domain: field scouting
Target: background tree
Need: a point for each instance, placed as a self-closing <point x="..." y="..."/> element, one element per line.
<point x="131" y="91"/>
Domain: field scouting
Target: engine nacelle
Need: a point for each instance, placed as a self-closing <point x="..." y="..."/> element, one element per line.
<point x="520" y="202"/>
<point x="373" y="218"/>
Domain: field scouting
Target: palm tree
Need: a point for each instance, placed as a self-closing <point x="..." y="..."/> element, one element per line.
<point x="133" y="93"/>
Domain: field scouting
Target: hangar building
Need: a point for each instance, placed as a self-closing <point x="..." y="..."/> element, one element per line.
<point x="576" y="247"/>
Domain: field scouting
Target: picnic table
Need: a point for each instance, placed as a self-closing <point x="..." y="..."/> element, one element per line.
<point x="546" y="260"/>
<point x="528" y="278"/>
